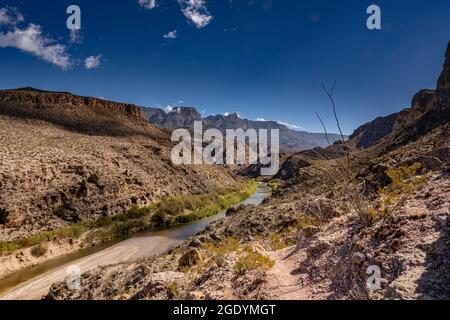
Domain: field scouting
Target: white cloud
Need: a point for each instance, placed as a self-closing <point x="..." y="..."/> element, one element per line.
<point x="31" y="40"/>
<point x="148" y="4"/>
<point x="75" y="36"/>
<point x="290" y="126"/>
<point x="168" y="109"/>
<point x="261" y="119"/>
<point x="171" y="35"/>
<point x="196" y="12"/>
<point x="10" y="16"/>
<point x="237" y="114"/>
<point x="93" y="62"/>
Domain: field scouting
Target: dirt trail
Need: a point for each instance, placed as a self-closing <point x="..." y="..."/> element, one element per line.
<point x="283" y="283"/>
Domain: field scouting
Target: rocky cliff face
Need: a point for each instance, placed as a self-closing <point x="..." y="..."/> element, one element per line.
<point x="184" y="117"/>
<point x="429" y="109"/>
<point x="444" y="79"/>
<point x="41" y="98"/>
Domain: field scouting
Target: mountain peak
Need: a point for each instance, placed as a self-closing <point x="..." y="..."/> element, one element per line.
<point x="444" y="79"/>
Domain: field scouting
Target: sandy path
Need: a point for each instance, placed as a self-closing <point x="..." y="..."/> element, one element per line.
<point x="130" y="249"/>
<point x="283" y="283"/>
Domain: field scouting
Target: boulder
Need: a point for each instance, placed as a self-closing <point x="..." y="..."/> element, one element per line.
<point x="231" y="211"/>
<point x="190" y="258"/>
<point x="195" y="295"/>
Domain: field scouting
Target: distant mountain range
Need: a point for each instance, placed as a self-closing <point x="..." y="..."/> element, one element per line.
<point x="184" y="117"/>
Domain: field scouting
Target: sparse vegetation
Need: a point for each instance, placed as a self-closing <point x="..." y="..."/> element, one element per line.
<point x="343" y="172"/>
<point x="282" y="240"/>
<point x="404" y="181"/>
<point x="220" y="251"/>
<point x="215" y="202"/>
<point x="174" y="291"/>
<point x="39" y="250"/>
<point x="169" y="211"/>
<point x="72" y="231"/>
<point x="252" y="260"/>
<point x="274" y="185"/>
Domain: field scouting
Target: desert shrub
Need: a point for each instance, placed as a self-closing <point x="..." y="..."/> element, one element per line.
<point x="159" y="219"/>
<point x="252" y="260"/>
<point x="274" y="185"/>
<point x="282" y="240"/>
<point x="305" y="221"/>
<point x="126" y="229"/>
<point x="133" y="213"/>
<point x="171" y="206"/>
<point x="6" y="247"/>
<point x="103" y="222"/>
<point x="404" y="182"/>
<point x="174" y="292"/>
<point x="220" y="251"/>
<point x="276" y="242"/>
<point x="39" y="250"/>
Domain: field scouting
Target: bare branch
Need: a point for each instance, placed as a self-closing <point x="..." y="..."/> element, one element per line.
<point x="324" y="128"/>
<point x="330" y="96"/>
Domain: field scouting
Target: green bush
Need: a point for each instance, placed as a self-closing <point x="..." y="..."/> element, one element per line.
<point x="39" y="250"/>
<point x="159" y="219"/>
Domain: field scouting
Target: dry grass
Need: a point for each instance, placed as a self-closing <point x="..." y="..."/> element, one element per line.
<point x="252" y="260"/>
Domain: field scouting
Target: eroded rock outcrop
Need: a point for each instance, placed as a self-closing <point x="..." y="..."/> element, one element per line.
<point x="429" y="109"/>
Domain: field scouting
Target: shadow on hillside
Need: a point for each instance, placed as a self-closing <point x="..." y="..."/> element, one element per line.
<point x="86" y="121"/>
<point x="435" y="281"/>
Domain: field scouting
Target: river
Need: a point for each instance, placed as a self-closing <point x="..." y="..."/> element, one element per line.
<point x="34" y="282"/>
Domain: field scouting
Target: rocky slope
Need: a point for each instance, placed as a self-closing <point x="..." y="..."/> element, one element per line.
<point x="429" y="109"/>
<point x="66" y="158"/>
<point x="336" y="213"/>
<point x="184" y="117"/>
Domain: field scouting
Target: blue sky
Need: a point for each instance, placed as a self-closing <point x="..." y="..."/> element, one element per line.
<point x="261" y="58"/>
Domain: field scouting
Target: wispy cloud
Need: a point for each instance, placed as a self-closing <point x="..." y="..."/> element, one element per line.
<point x="10" y="16"/>
<point x="171" y="35"/>
<point x="148" y="4"/>
<point x="75" y="36"/>
<point x="93" y="62"/>
<point x="32" y="41"/>
<point x="290" y="126"/>
<point x="196" y="12"/>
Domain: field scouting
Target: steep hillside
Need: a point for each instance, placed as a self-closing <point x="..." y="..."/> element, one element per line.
<point x="66" y="158"/>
